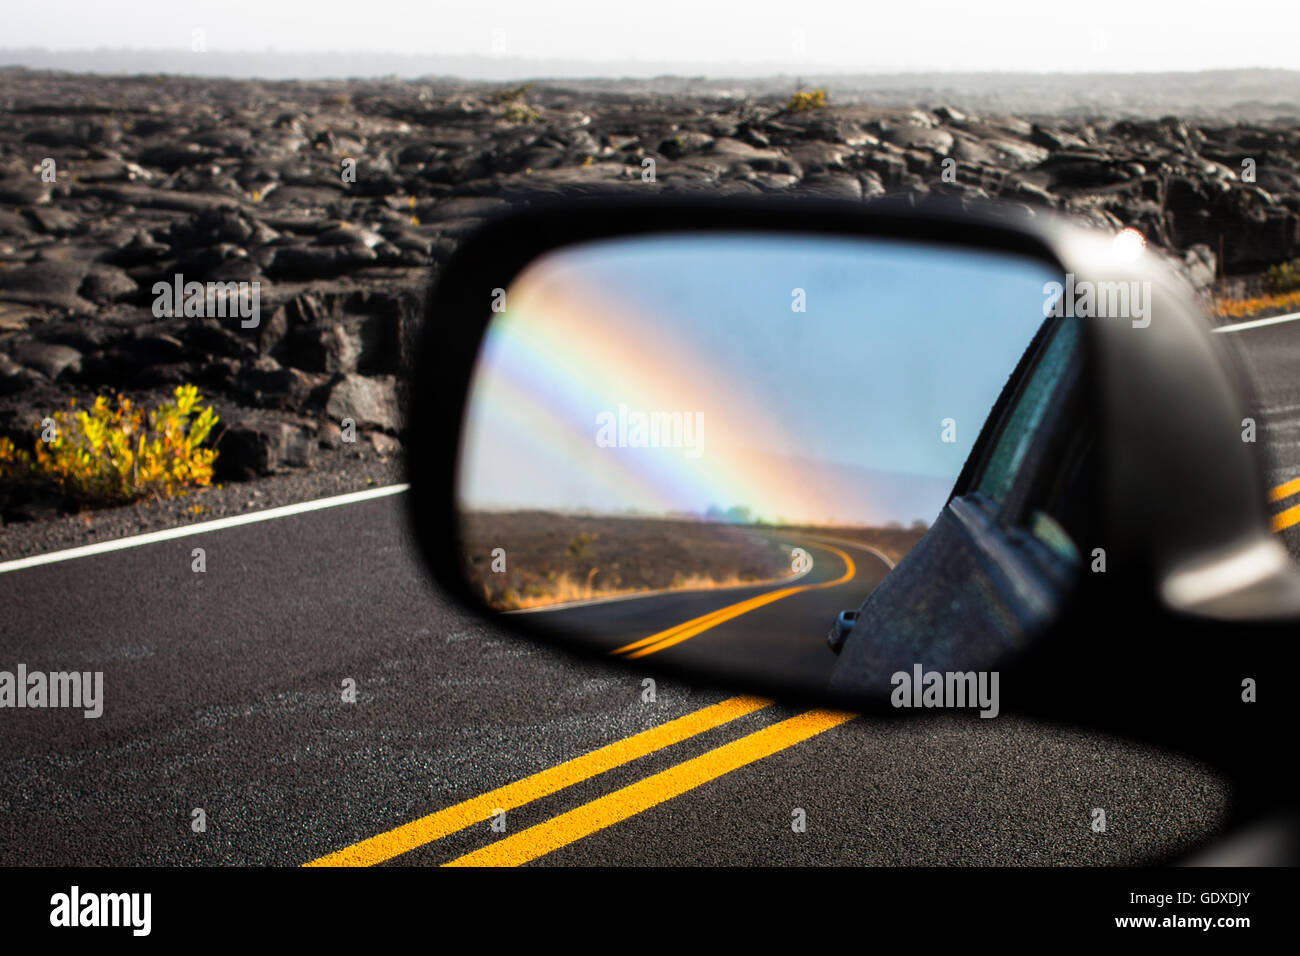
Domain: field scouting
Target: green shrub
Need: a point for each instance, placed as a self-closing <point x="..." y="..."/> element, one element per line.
<point x="801" y="101"/>
<point x="514" y="106"/>
<point x="1283" y="277"/>
<point x="108" y="454"/>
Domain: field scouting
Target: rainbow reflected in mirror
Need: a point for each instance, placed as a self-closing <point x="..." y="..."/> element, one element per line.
<point x="785" y="380"/>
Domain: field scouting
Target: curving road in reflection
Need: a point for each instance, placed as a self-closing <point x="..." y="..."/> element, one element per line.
<point x="766" y="630"/>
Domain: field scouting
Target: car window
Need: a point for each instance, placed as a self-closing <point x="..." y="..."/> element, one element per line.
<point x="1021" y="427"/>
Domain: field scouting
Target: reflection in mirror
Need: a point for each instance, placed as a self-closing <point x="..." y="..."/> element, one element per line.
<point x="714" y="448"/>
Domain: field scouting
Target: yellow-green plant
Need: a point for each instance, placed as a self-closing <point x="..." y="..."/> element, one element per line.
<point x="577" y="546"/>
<point x="814" y="100"/>
<point x="1248" y="308"/>
<point x="511" y="93"/>
<point x="118" y="453"/>
<point x="1284" y="277"/>
<point x="514" y="106"/>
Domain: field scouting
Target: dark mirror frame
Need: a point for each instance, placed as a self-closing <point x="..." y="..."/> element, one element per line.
<point x="1153" y="649"/>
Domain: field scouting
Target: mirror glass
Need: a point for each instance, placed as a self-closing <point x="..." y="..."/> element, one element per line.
<point x="715" y="447"/>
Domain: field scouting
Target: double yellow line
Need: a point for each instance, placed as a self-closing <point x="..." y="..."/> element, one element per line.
<point x="575" y="824"/>
<point x="437" y="825"/>
<point x="569" y="827"/>
<point x="1291" y="516"/>
<point x="682" y="632"/>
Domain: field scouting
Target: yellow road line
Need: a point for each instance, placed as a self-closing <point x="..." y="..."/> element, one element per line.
<point x="681" y="632"/>
<point x="1284" y="490"/>
<point x="1291" y="516"/>
<point x="850" y="569"/>
<point x="437" y="825"/>
<point x="675" y="635"/>
<point x="605" y="811"/>
<point x="1285" y="519"/>
<point x="703" y="618"/>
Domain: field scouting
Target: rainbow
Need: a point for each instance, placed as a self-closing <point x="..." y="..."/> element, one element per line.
<point x="564" y="352"/>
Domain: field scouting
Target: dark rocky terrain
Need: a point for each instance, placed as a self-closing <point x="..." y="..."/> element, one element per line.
<point x="1222" y="96"/>
<point x="560" y="557"/>
<point x="225" y="180"/>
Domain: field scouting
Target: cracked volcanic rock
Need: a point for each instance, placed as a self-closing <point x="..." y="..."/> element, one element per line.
<point x="342" y="200"/>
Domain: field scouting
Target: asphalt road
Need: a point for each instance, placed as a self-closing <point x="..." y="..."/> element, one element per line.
<point x="1271" y="355"/>
<point x="224" y="692"/>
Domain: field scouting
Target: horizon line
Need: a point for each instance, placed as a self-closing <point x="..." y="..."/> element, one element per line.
<point x="676" y="69"/>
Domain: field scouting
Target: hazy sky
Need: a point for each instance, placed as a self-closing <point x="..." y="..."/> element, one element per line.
<point x="840" y="35"/>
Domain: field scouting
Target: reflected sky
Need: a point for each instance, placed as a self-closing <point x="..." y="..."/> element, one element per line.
<point x="803" y="378"/>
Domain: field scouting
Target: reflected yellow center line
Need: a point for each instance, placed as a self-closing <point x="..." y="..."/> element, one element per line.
<point x="605" y="811"/>
<point x="681" y="632"/>
<point x="685" y="631"/>
<point x="435" y="826"/>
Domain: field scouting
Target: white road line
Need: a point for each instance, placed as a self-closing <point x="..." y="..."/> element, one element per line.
<point x="1259" y="323"/>
<point x="889" y="562"/>
<point x="202" y="527"/>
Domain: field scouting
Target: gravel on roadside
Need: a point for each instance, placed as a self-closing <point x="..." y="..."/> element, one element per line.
<point x="333" y="475"/>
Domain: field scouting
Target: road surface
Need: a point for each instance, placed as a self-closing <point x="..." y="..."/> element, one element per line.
<point x="226" y="692"/>
<point x="1271" y="354"/>
<point x="764" y="629"/>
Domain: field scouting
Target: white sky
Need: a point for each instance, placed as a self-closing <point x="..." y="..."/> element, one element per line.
<point x="841" y="35"/>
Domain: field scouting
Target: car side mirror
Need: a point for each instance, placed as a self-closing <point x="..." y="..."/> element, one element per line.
<point x="882" y="456"/>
